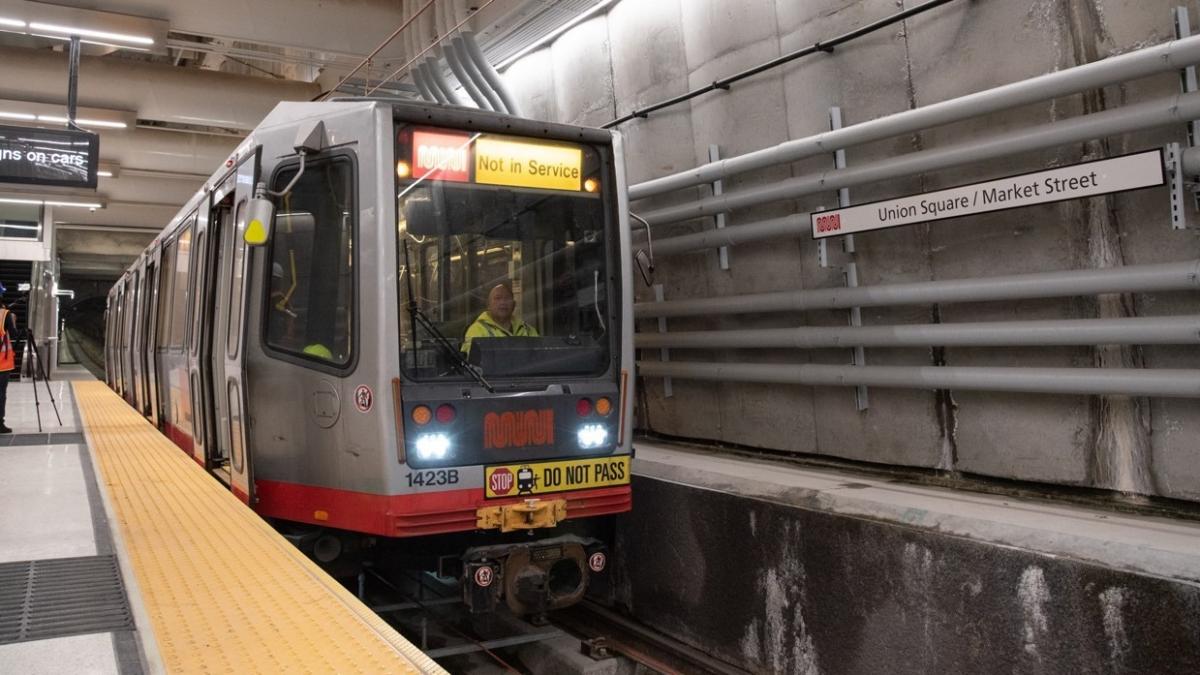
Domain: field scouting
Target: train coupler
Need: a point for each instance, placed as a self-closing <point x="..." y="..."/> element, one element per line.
<point x="533" y="577"/>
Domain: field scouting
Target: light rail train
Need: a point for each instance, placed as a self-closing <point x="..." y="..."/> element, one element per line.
<point x="402" y="326"/>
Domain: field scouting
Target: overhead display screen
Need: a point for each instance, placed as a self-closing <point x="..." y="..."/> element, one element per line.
<point x="48" y="157"/>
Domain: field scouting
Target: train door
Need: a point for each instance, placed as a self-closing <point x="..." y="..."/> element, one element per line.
<point x="110" y="338"/>
<point x="118" y="338"/>
<point x="227" y="328"/>
<point x="128" y="311"/>
<point x="199" y="334"/>
<point x="134" y="341"/>
<point x="151" y="361"/>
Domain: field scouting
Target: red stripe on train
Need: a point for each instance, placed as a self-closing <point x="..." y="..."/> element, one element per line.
<point x="182" y="439"/>
<point x="413" y="514"/>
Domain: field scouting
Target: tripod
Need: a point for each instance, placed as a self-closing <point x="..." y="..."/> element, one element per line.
<point x="36" y="367"/>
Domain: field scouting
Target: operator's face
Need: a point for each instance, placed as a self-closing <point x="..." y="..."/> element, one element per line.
<point x="500" y="304"/>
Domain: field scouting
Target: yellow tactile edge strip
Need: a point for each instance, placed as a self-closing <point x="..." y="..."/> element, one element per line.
<point x="257" y="605"/>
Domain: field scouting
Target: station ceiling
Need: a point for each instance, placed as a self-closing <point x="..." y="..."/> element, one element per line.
<point x="171" y="105"/>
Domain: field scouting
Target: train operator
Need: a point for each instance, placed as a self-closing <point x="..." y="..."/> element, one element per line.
<point x="498" y="319"/>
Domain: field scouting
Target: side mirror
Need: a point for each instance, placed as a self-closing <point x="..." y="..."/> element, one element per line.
<point x="260" y="214"/>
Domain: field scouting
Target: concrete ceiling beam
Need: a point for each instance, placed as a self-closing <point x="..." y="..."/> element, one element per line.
<point x="155" y="91"/>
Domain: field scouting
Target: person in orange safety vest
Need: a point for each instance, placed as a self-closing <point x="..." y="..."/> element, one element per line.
<point x="8" y="331"/>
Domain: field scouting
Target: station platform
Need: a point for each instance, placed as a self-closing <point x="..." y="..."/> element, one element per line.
<point x="118" y="554"/>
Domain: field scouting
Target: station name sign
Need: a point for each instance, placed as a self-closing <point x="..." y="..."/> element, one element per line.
<point x="491" y="160"/>
<point x="54" y="157"/>
<point x="1089" y="179"/>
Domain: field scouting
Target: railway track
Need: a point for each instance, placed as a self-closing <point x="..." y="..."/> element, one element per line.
<point x="604" y="630"/>
<point x="430" y="613"/>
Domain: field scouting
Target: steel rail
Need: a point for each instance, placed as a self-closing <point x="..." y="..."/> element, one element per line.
<point x="636" y="641"/>
<point x="1167" y="57"/>
<point x="1175" y="109"/>
<point x="1180" y="276"/>
<point x="1158" y="382"/>
<point x="1050" y="333"/>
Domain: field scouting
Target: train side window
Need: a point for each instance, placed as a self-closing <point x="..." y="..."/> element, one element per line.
<point x="197" y="291"/>
<point x="166" y="281"/>
<point x="180" y="295"/>
<point x="309" y="311"/>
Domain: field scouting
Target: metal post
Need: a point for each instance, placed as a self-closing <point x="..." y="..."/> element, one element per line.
<point x="664" y="353"/>
<point x="73" y="81"/>
<point x="718" y="187"/>
<point x="1187" y="76"/>
<point x="858" y="356"/>
<point x="1187" y="82"/>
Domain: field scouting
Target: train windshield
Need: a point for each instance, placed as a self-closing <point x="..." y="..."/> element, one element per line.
<point x="504" y="263"/>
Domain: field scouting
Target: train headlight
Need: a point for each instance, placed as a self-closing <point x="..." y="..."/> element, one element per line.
<point x="433" y="446"/>
<point x="592" y="436"/>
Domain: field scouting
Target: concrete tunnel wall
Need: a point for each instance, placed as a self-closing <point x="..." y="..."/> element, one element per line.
<point x="642" y="52"/>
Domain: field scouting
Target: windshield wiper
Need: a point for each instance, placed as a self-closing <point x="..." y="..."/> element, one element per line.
<point x="456" y="358"/>
<point x="416" y="316"/>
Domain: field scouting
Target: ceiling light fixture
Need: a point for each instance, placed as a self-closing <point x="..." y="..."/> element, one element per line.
<point x="554" y="33"/>
<point x="86" y="205"/>
<point x="83" y="122"/>
<point x="65" y="38"/>
<point x="11" y="22"/>
<point x="104" y="174"/>
<point x="17" y="116"/>
<point x="46" y="202"/>
<point x="87" y="32"/>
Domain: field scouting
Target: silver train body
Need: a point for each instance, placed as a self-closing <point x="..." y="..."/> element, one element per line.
<point x="330" y="397"/>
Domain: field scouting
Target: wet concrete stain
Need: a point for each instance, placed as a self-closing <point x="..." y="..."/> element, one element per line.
<point x="773" y="588"/>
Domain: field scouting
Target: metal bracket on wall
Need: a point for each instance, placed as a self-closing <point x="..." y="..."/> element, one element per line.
<point x="1174" y="167"/>
<point x="859" y="355"/>
<point x="718" y="187"/>
<point x="1188" y="83"/>
<point x="664" y="353"/>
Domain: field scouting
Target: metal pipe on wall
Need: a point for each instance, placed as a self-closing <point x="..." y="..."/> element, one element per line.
<point x="1176" y="109"/>
<point x="422" y="86"/>
<point x="467" y="83"/>
<point x="1175" y="330"/>
<point x="439" y="94"/>
<point x="1128" y="279"/>
<point x="795" y="225"/>
<point x="489" y="74"/>
<point x="1161" y="382"/>
<point x="1168" y="57"/>
<point x="460" y="50"/>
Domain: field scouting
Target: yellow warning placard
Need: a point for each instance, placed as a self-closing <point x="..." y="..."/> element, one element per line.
<point x="527" y="164"/>
<point x="536" y="478"/>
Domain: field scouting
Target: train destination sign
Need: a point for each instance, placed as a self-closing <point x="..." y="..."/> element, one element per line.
<point x="496" y="160"/>
<point x="1089" y="179"/>
<point x="56" y="157"/>
<point x="524" y="164"/>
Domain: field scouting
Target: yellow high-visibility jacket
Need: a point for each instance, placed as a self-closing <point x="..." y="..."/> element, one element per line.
<point x="485" y="326"/>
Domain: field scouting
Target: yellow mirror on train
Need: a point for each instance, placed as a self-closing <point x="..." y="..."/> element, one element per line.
<point x="260" y="213"/>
